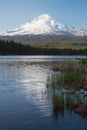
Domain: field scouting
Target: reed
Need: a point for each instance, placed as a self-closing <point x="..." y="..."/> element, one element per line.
<point x="83" y="62"/>
<point x="67" y="97"/>
<point x="78" y="66"/>
<point x="68" y="78"/>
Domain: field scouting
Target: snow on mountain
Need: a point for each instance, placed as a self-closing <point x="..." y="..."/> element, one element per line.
<point x="44" y="25"/>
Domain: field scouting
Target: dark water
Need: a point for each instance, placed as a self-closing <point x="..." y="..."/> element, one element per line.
<point x="24" y="104"/>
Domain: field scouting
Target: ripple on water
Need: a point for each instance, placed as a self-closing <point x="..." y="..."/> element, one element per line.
<point x="24" y="104"/>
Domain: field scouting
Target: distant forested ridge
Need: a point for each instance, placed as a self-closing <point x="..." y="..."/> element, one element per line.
<point x="50" y="39"/>
<point x="12" y="48"/>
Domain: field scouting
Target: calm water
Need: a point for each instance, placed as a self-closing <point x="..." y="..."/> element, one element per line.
<point x="24" y="103"/>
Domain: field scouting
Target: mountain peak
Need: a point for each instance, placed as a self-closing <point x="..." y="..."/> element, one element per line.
<point x="44" y="16"/>
<point x="44" y="25"/>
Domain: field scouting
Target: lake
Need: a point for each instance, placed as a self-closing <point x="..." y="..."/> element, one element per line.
<point x="24" y="102"/>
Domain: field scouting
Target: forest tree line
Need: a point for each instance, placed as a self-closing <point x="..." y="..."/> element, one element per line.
<point x="12" y="48"/>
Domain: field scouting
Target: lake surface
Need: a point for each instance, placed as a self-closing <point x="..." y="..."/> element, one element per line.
<point x="24" y="102"/>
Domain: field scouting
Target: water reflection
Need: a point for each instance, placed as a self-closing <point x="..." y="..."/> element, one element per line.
<point x="25" y="103"/>
<point x="21" y="90"/>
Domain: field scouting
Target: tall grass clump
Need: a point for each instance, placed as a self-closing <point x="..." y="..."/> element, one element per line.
<point x="56" y="81"/>
<point x="58" y="101"/>
<point x="71" y="77"/>
<point x="60" y="87"/>
<point x="83" y="62"/>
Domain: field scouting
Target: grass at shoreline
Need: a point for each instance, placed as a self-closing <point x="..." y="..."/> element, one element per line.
<point x="69" y="45"/>
<point x="67" y="84"/>
<point x="78" y="65"/>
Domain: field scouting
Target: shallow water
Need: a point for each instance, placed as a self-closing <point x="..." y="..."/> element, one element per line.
<point x="24" y="104"/>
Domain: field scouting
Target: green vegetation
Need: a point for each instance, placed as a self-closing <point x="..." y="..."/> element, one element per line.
<point x="58" y="101"/>
<point x="71" y="77"/>
<point x="50" y="41"/>
<point x="67" y="99"/>
<point x="60" y="45"/>
<point x="66" y="79"/>
<point x="71" y="66"/>
<point x="83" y="62"/>
<point x="12" y="48"/>
<point x="67" y="84"/>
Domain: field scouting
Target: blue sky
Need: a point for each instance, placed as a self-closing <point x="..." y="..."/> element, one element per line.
<point x="16" y="12"/>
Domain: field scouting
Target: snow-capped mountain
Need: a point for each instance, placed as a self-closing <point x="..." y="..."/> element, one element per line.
<point x="44" y="25"/>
